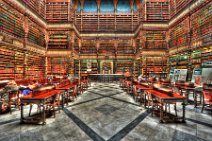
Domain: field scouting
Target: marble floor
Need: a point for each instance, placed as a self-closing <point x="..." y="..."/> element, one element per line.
<point x="106" y="112"/>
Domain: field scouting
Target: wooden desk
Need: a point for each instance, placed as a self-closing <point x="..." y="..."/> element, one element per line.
<point x="66" y="89"/>
<point x="41" y="100"/>
<point x="164" y="98"/>
<point x="143" y="88"/>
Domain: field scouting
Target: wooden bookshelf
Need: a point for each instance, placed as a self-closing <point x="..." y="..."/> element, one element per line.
<point x="57" y="11"/>
<point x="19" y="64"/>
<point x="58" y="41"/>
<point x="37" y="5"/>
<point x="86" y="67"/>
<point x="124" y="66"/>
<point x="36" y="35"/>
<point x="177" y="5"/>
<point x="57" y="66"/>
<point x="179" y="35"/>
<point x="7" y="64"/>
<point x="106" y="22"/>
<point x="35" y="66"/>
<point x="157" y="11"/>
<point x="156" y="39"/>
<point x="196" y="59"/>
<point x="11" y="22"/>
<point x="201" y="27"/>
<point x="154" y="66"/>
<point x="206" y="59"/>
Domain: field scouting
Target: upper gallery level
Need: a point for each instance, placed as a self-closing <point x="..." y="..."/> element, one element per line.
<point x="105" y="15"/>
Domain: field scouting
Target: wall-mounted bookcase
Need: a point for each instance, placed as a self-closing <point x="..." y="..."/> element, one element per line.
<point x="196" y="59"/>
<point x="19" y="64"/>
<point x="154" y="66"/>
<point x="37" y="5"/>
<point x="35" y="66"/>
<point x="86" y="67"/>
<point x="7" y="64"/>
<point x="57" y="66"/>
<point x="58" y="41"/>
<point x="155" y="39"/>
<point x="157" y="11"/>
<point x="124" y="66"/>
<point x="206" y="59"/>
<point x="179" y="34"/>
<point x="36" y="35"/>
<point x="57" y="11"/>
<point x="10" y="21"/>
<point x="201" y="26"/>
<point x="178" y="5"/>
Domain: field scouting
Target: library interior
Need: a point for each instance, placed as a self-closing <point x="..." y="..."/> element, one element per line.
<point x="106" y="70"/>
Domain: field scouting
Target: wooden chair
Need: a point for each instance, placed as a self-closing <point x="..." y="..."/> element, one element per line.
<point x="136" y="93"/>
<point x="207" y="99"/>
<point x="74" y="92"/>
<point x="53" y="104"/>
<point x="151" y="102"/>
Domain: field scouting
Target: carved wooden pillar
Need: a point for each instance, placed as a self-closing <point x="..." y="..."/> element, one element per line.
<point x="115" y="8"/>
<point x="80" y="45"/>
<point x="189" y="67"/>
<point x="71" y="44"/>
<point x="81" y="12"/>
<point x="167" y="52"/>
<point x="98" y="10"/>
<point x="134" y="59"/>
<point x="46" y="57"/>
<point x="116" y="53"/>
<point x="97" y="55"/>
<point x="132" y="12"/>
<point x="26" y="32"/>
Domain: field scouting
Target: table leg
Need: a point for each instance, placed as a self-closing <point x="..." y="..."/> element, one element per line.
<point x="63" y="101"/>
<point x="44" y="114"/>
<point x="183" y="104"/>
<point x="161" y="113"/>
<point x="22" y="112"/>
<point x="144" y="99"/>
<point x="195" y="99"/>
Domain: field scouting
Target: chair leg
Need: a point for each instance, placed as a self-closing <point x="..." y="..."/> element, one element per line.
<point x="30" y="109"/>
<point x="202" y="107"/>
<point x="175" y="108"/>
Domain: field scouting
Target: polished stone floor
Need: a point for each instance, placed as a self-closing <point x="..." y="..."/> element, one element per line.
<point x="106" y="112"/>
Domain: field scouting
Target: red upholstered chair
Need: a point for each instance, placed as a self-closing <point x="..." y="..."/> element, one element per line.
<point x="74" y="92"/>
<point x="135" y="93"/>
<point x="151" y="102"/>
<point x="207" y="99"/>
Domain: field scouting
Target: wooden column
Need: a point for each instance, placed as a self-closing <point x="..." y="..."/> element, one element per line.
<point x="132" y="12"/>
<point x="189" y="67"/>
<point x="167" y="52"/>
<point x="134" y="59"/>
<point x="116" y="53"/>
<point x="81" y="12"/>
<point x="97" y="55"/>
<point x="72" y="51"/>
<point x="46" y="57"/>
<point x="79" y="73"/>
<point x="115" y="8"/>
<point x="98" y="11"/>
<point x="26" y="32"/>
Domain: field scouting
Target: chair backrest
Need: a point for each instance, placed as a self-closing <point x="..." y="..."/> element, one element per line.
<point x="207" y="96"/>
<point x="135" y="90"/>
<point x="75" y="90"/>
<point x="149" y="96"/>
<point x="175" y="89"/>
